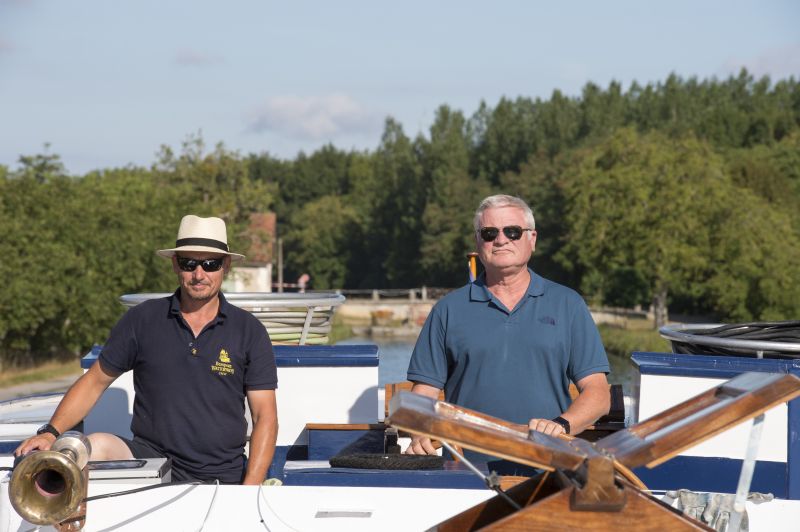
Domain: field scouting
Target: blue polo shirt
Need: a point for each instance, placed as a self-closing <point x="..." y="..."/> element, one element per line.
<point x="512" y="364"/>
<point x="190" y="391"/>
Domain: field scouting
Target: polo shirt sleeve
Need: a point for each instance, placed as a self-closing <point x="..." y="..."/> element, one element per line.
<point x="261" y="372"/>
<point x="587" y="354"/>
<point x="429" y="360"/>
<point x="119" y="351"/>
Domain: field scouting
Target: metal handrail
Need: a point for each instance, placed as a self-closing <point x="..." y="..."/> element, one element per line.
<point x="255" y="299"/>
<point x="278" y="312"/>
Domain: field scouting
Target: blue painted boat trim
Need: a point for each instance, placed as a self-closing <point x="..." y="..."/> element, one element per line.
<point x="90" y="357"/>
<point x="361" y="355"/>
<point x="284" y="453"/>
<point x="718" y="367"/>
<point x="8" y="447"/>
<point x="718" y="475"/>
<point x="793" y="446"/>
<point x="340" y="476"/>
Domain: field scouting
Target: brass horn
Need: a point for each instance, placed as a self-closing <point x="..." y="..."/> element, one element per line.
<point x="49" y="486"/>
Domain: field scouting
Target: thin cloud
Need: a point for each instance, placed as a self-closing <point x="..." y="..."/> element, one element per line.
<point x="16" y="3"/>
<point x="313" y="117"/>
<point x="777" y="63"/>
<point x="194" y="58"/>
<point x="6" y="46"/>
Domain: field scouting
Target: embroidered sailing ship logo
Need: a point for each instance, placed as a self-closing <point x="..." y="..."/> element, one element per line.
<point x="222" y="366"/>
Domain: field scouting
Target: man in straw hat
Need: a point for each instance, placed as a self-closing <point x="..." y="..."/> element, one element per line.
<point x="195" y="359"/>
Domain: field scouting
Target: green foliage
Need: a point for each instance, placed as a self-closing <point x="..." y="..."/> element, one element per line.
<point x="639" y="202"/>
<point x="627" y="288"/>
<point x="684" y="192"/>
<point x="74" y="245"/>
<point x="317" y="242"/>
<point x="754" y="254"/>
<point x="664" y="211"/>
<point x="397" y="220"/>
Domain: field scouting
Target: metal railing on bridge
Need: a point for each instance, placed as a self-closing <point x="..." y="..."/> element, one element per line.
<point x="423" y="293"/>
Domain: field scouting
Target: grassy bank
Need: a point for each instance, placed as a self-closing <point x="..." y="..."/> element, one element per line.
<point x="621" y="342"/>
<point x="50" y="370"/>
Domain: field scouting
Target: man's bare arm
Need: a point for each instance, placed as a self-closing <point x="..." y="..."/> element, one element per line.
<point x="422" y="444"/>
<point x="76" y="404"/>
<point x="593" y="401"/>
<point x="264" y="410"/>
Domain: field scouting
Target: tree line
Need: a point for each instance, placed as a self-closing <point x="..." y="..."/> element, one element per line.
<point x="683" y="193"/>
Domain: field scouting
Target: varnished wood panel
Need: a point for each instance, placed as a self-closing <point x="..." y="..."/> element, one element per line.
<point x="472" y="430"/>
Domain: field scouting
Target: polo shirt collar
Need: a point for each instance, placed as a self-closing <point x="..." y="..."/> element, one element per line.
<point x="479" y="292"/>
<point x="223" y="306"/>
<point x="175" y="305"/>
<point x="536" y="286"/>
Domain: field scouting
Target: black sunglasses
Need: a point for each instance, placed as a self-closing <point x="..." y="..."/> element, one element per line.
<point x="209" y="265"/>
<point x="512" y="232"/>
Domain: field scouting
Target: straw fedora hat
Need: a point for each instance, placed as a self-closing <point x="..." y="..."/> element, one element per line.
<point x="201" y="234"/>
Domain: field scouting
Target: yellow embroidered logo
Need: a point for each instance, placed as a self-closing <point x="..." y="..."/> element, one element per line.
<point x="223" y="365"/>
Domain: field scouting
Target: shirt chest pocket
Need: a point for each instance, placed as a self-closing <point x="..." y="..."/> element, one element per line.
<point x="543" y="337"/>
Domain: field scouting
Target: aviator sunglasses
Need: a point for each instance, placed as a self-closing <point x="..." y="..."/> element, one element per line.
<point x="512" y="232"/>
<point x="209" y="265"/>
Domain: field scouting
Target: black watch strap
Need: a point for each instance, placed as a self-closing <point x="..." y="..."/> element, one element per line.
<point x="47" y="427"/>
<point x="563" y="422"/>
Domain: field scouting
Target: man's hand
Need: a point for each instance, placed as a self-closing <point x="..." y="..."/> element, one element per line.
<point x="546" y="426"/>
<point x="593" y="401"/>
<point x="40" y="442"/>
<point x="421" y="445"/>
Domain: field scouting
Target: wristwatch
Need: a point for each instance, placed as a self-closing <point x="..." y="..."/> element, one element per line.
<point x="563" y="422"/>
<point x="47" y="427"/>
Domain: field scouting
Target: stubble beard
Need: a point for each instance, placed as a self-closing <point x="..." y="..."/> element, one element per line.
<point x="200" y="298"/>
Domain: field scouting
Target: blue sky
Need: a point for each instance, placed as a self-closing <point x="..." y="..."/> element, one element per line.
<point x="108" y="82"/>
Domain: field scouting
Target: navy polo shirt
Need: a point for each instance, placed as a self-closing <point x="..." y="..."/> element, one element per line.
<point x="512" y="364"/>
<point x="190" y="391"/>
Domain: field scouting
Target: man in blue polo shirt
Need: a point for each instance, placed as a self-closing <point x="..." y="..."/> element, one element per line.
<point x="510" y="343"/>
<point x="195" y="359"/>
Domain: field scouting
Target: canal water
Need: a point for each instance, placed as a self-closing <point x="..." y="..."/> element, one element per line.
<point x="394" y="355"/>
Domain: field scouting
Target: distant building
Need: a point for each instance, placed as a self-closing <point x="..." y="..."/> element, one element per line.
<point x="254" y="274"/>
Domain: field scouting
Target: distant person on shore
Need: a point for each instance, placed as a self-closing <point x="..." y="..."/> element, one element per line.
<point x="195" y="359"/>
<point x="510" y="343"/>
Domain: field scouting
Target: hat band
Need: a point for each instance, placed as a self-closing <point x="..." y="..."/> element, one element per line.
<point x="207" y="242"/>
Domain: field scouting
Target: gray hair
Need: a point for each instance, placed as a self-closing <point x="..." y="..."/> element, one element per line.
<point x="503" y="200"/>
